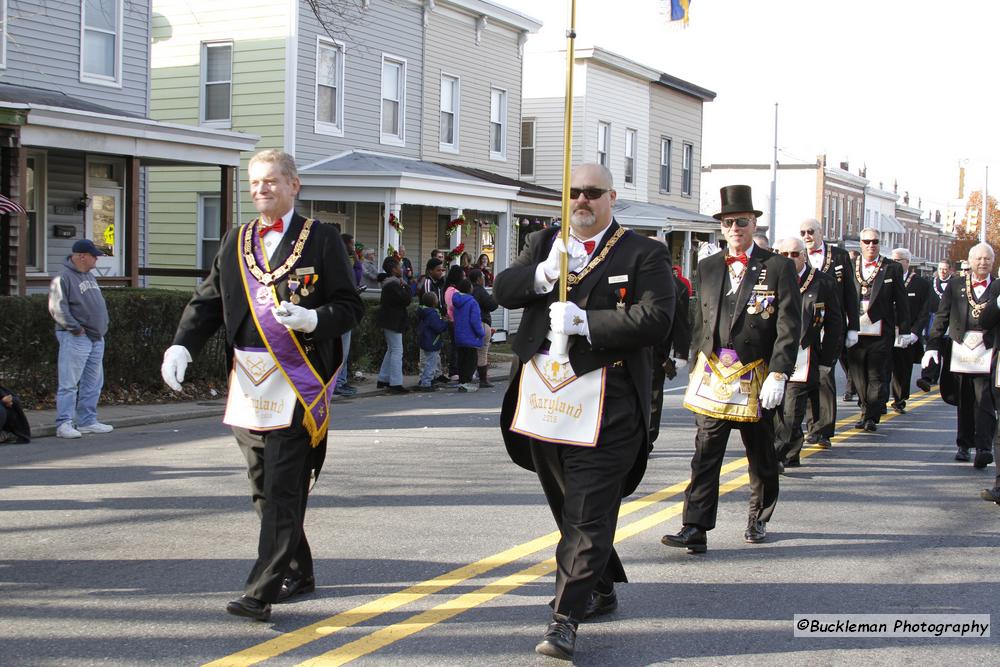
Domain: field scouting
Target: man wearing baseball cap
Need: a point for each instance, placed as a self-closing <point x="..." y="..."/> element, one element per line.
<point x="77" y="306"/>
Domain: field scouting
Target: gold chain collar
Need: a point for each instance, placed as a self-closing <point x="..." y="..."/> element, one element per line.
<point x="970" y="296"/>
<point x="575" y="278"/>
<point x="857" y="271"/>
<point x="270" y="277"/>
<point x="808" y="282"/>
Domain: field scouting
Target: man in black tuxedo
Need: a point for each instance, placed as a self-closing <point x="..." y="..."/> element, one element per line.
<point x="750" y="304"/>
<point x="836" y="263"/>
<point x="965" y="313"/>
<point x="305" y="267"/>
<point x="879" y="282"/>
<point x="906" y="353"/>
<point x="945" y="270"/>
<point x="821" y="314"/>
<point x="620" y="303"/>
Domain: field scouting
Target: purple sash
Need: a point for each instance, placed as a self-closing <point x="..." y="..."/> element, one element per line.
<point x="311" y="391"/>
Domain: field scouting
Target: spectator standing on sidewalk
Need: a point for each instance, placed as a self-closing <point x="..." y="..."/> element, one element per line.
<point x="14" y="427"/>
<point x="455" y="275"/>
<point x="343" y="386"/>
<point x="487" y="304"/>
<point x="430" y="330"/>
<point x="77" y="306"/>
<point x="469" y="332"/>
<point x="392" y="318"/>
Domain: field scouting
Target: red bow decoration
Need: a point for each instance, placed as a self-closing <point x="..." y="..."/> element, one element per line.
<point x="816" y="252"/>
<point x="732" y="259"/>
<point x="276" y="226"/>
<point x="875" y="263"/>
<point x="978" y="283"/>
<point x="589" y="246"/>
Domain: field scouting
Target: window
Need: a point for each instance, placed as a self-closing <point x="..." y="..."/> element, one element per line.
<point x="498" y="124"/>
<point x="209" y="210"/>
<point x="100" y="41"/>
<point x="603" y="143"/>
<point x="34" y="204"/>
<point x="329" y="87"/>
<point x="528" y="148"/>
<point x="449" y="113"/>
<point x="686" y="170"/>
<point x="393" y="101"/>
<point x="665" y="150"/>
<point x="217" y="84"/>
<point x="630" y="136"/>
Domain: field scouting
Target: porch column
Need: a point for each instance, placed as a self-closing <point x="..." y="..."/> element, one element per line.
<point x="132" y="220"/>
<point x="501" y="242"/>
<point x="391" y="235"/>
<point x="686" y="254"/>
<point x="226" y="180"/>
<point x="456" y="235"/>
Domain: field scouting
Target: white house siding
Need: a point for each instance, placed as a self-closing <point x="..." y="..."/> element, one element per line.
<point x="392" y="28"/>
<point x="678" y="117"/>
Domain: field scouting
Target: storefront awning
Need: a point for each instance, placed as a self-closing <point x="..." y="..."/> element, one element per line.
<point x="891" y="225"/>
<point x="659" y="216"/>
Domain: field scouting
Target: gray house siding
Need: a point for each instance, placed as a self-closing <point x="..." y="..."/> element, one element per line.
<point x="678" y="117"/>
<point x="403" y="21"/>
<point x="49" y="32"/>
<point x="549" y="113"/>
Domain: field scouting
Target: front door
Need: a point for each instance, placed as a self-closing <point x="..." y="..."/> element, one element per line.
<point x="104" y="227"/>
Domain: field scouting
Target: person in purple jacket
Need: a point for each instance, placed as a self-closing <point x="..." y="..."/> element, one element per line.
<point x="468" y="333"/>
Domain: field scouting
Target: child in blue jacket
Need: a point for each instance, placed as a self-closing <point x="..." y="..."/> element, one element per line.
<point x="468" y="333"/>
<point x="430" y="328"/>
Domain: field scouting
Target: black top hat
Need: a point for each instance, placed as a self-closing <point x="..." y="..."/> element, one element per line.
<point x="736" y="199"/>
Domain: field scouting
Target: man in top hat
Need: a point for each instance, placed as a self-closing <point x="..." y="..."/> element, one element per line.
<point x="908" y="349"/>
<point x="836" y="263"/>
<point x="939" y="283"/>
<point x="884" y="308"/>
<point x="818" y="350"/>
<point x="620" y="303"/>
<point x="749" y="320"/>
<point x="77" y="306"/>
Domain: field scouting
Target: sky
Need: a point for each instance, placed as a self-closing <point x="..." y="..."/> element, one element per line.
<point x="908" y="88"/>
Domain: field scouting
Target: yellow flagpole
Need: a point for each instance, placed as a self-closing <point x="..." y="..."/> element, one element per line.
<point x="568" y="147"/>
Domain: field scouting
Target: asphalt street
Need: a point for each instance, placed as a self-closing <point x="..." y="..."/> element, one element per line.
<point x="433" y="549"/>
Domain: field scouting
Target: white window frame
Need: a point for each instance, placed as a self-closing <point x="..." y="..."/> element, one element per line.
<point x="502" y="155"/>
<point x="203" y="83"/>
<point x="687" y="169"/>
<point x="200" y="258"/>
<point x="393" y="139"/>
<point x="322" y="126"/>
<point x="41" y="207"/>
<point x="456" y="81"/>
<point x="533" y="148"/>
<point x="3" y="35"/>
<point x="87" y="77"/>
<point x="665" y="162"/>
<point x="604" y="148"/>
<point x="631" y="145"/>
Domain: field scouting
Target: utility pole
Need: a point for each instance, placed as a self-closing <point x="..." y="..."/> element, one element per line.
<point x="774" y="183"/>
<point x="986" y="206"/>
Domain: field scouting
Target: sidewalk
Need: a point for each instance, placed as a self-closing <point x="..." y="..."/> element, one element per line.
<point x="43" y="421"/>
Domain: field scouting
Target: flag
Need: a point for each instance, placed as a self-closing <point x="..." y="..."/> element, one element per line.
<point x="679" y="10"/>
<point x="8" y="206"/>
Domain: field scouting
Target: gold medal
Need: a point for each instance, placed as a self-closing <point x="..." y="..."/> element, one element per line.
<point x="765" y="315"/>
<point x="864" y="290"/>
<point x="770" y="310"/>
<point x="304" y="291"/>
<point x="295" y="299"/>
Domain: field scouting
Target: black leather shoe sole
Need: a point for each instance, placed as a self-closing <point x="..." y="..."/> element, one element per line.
<point x="754" y="538"/>
<point x="983" y="459"/>
<point x="692" y="548"/>
<point x="545" y="647"/>
<point x="923" y="385"/>
<point x="870" y="426"/>
<point x="247" y="609"/>
<point x="860" y="424"/>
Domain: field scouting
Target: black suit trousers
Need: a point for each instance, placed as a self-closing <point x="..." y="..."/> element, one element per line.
<point x="823" y="405"/>
<point x="868" y="361"/>
<point x="902" y="374"/>
<point x="788" y="437"/>
<point x="278" y="467"/>
<point x="977" y="414"/>
<point x="583" y="487"/>
<point x="701" y="499"/>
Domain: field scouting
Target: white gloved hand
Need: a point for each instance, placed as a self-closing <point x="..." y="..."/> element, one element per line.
<point x="771" y="392"/>
<point x="297" y="317"/>
<point x="929" y="356"/>
<point x="707" y="250"/>
<point x="899" y="341"/>
<point x="679" y="363"/>
<point x="577" y="257"/>
<point x="852" y="339"/>
<point x="565" y="317"/>
<point x="175" y="361"/>
<point x="908" y="339"/>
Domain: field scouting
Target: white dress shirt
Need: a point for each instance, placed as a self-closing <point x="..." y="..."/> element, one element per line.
<point x="816" y="260"/>
<point x="272" y="239"/>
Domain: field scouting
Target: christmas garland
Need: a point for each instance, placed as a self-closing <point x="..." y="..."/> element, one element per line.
<point x="456" y="252"/>
<point x="395" y="223"/>
<point x="455" y="224"/>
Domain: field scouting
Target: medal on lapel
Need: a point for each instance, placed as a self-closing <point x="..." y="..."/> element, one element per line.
<point x="621" y="299"/>
<point x="293" y="287"/>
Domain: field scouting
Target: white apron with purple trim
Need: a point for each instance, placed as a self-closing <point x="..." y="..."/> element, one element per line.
<point x="971" y="355"/>
<point x="725" y="388"/>
<point x="260" y="396"/>
<point x="556" y="405"/>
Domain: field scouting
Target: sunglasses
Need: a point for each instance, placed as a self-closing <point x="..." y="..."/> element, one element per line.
<point x="740" y="222"/>
<point x="807" y="232"/>
<point x="870" y="241"/>
<point x="589" y="194"/>
<point x="790" y="253"/>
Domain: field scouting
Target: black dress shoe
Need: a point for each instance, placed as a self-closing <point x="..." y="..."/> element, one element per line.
<point x="824" y="443"/>
<point x="560" y="638"/>
<point x="990" y="494"/>
<point x="299" y="586"/>
<point x="962" y="455"/>
<point x="860" y="424"/>
<point x="601" y="604"/>
<point x="884" y="410"/>
<point x="381" y="385"/>
<point x="984" y="457"/>
<point x="870" y="426"/>
<point x="398" y="389"/>
<point x="848" y="397"/>
<point x="793" y="463"/>
<point x="899" y="408"/>
<point x="812" y="438"/>
<point x="692" y="538"/>
<point x="756" y="531"/>
<point x="923" y="385"/>
<point x="250" y="608"/>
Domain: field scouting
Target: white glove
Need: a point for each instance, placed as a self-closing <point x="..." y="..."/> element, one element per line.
<point x="577" y="258"/>
<point x="175" y="361"/>
<point x="771" y="392"/>
<point x="852" y="339"/>
<point x="679" y="363"/>
<point x="707" y="250"/>
<point x="296" y="317"/>
<point x="899" y="341"/>
<point x="929" y="356"/>
<point x="908" y="339"/>
<point x="565" y="317"/>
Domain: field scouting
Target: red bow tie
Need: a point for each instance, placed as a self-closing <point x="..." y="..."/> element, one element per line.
<point x="816" y="252"/>
<point x="589" y="246"/>
<point x="732" y="259"/>
<point x="873" y="264"/>
<point x="978" y="283"/>
<point x="276" y="226"/>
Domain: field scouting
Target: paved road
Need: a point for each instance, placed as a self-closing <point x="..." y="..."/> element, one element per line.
<point x="433" y="549"/>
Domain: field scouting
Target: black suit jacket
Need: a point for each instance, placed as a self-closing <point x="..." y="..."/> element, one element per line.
<point x="954" y="313"/>
<point x="837" y="265"/>
<point x="888" y="303"/>
<point x="774" y="339"/>
<point x="615" y="334"/>
<point x="918" y="292"/>
<point x="680" y="330"/>
<point x="828" y="320"/>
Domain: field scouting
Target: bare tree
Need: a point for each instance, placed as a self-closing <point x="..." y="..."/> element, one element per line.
<point x="335" y="17"/>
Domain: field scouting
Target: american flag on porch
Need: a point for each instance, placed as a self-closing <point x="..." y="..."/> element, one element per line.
<point x="9" y="206"/>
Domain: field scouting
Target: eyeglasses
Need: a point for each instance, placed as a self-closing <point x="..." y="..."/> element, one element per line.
<point x="807" y="232"/>
<point x="870" y="241"/>
<point x="740" y="222"/>
<point x="589" y="194"/>
<point x="794" y="254"/>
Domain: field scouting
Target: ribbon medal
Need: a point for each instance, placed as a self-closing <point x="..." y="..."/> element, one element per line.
<point x="621" y="299"/>
<point x="293" y="286"/>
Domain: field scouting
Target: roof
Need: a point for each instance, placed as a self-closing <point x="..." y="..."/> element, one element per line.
<point x="526" y="188"/>
<point x="890" y="224"/>
<point x="53" y="98"/>
<point x="644" y="214"/>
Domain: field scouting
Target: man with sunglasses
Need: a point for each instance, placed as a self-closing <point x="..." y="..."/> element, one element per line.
<point x="836" y="263"/>
<point x="884" y="309"/>
<point x="908" y="349"/>
<point x="620" y="303"/>
<point x="750" y="315"/>
<point x="819" y="349"/>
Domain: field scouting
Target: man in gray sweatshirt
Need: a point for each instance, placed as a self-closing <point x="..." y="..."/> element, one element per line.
<point x="77" y="306"/>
